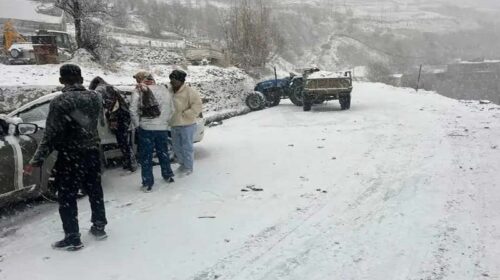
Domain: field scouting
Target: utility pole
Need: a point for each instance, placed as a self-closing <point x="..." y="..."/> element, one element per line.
<point x="418" y="80"/>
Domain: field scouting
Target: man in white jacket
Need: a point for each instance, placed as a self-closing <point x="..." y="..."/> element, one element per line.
<point x="151" y="109"/>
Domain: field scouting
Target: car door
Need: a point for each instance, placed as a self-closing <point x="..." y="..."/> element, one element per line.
<point x="28" y="146"/>
<point x="21" y="149"/>
<point x="8" y="168"/>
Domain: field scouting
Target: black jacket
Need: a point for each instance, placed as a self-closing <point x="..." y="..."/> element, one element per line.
<point x="71" y="123"/>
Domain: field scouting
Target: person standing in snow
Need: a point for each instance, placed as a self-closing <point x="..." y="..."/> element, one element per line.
<point x="117" y="114"/>
<point x="188" y="107"/>
<point x="151" y="109"/>
<point x="71" y="130"/>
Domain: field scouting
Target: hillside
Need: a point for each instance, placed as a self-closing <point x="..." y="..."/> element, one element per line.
<point x="344" y="34"/>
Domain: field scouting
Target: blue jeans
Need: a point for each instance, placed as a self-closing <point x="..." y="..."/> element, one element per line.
<point x="182" y="142"/>
<point x="150" y="140"/>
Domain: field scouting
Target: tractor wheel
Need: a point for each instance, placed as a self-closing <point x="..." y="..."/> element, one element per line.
<point x="276" y="101"/>
<point x="296" y="95"/>
<point x="273" y="98"/>
<point x="256" y="101"/>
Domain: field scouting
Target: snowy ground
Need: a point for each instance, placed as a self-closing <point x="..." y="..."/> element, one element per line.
<point x="402" y="186"/>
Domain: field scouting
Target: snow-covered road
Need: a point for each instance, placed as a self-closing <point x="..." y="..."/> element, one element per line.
<point x="402" y="186"/>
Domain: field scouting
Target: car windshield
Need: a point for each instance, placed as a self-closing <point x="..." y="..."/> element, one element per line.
<point x="35" y="114"/>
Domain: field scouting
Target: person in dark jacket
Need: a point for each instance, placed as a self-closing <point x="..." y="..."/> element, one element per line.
<point x="71" y="130"/>
<point x="118" y="117"/>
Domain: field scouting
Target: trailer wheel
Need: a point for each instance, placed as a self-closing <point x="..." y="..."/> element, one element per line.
<point x="345" y="102"/>
<point x="307" y="104"/>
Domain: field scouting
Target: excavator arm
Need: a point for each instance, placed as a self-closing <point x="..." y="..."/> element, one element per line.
<point x="11" y="36"/>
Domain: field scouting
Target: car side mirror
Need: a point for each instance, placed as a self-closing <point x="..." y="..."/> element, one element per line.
<point x="26" y="128"/>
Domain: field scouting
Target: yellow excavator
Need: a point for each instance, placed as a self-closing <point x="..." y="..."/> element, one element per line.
<point x="11" y="36"/>
<point x="47" y="46"/>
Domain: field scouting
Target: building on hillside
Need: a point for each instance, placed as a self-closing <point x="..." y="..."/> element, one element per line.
<point x="461" y="80"/>
<point x="472" y="80"/>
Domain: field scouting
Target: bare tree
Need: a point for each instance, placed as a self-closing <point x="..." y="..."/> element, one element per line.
<point x="250" y="33"/>
<point x="120" y="15"/>
<point x="155" y="16"/>
<point x="83" y="12"/>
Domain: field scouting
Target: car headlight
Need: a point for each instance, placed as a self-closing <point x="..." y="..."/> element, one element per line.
<point x="15" y="53"/>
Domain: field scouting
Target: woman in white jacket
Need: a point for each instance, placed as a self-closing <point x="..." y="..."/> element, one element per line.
<point x="151" y="109"/>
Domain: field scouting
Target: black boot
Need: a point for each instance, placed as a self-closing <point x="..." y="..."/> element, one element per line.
<point x="169" y="179"/>
<point x="98" y="232"/>
<point x="71" y="242"/>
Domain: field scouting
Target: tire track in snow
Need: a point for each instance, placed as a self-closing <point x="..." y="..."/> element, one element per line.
<point x="249" y="255"/>
<point x="467" y="200"/>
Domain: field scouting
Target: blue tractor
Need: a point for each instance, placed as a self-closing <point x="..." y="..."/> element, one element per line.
<point x="270" y="92"/>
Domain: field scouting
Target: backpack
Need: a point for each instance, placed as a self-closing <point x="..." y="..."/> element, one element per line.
<point x="116" y="107"/>
<point x="148" y="106"/>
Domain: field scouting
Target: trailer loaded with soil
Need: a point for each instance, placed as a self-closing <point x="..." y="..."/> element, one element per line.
<point x="320" y="86"/>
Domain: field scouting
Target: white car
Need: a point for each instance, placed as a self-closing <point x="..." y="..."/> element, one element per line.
<point x="36" y="112"/>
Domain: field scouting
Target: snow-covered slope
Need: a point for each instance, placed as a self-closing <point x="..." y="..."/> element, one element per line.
<point x="402" y="186"/>
<point x="220" y="88"/>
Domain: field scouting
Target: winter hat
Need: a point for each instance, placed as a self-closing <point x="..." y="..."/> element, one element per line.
<point x="70" y="71"/>
<point x="178" y="75"/>
<point x="143" y="75"/>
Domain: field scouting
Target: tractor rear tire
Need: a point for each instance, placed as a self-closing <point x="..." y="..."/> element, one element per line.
<point x="273" y="97"/>
<point x="296" y="96"/>
<point x="276" y="102"/>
